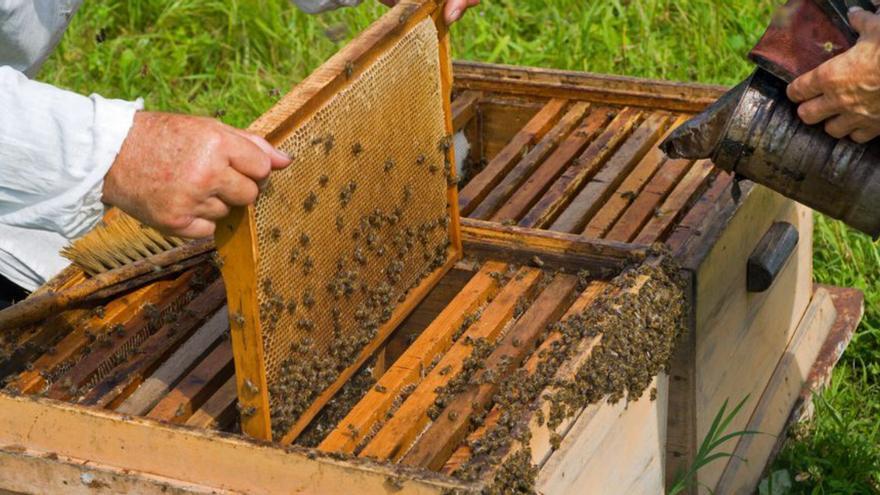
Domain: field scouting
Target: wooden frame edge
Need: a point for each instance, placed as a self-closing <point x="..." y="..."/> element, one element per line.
<point x="192" y="456"/>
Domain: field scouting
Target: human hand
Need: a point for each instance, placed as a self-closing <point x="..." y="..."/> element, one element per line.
<point x="845" y="91"/>
<point x="452" y="12"/>
<point x="181" y="174"/>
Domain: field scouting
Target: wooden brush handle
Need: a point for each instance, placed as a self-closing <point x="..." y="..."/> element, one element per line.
<point x="105" y="285"/>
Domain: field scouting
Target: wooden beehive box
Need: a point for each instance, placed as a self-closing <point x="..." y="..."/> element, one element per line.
<point x="564" y="193"/>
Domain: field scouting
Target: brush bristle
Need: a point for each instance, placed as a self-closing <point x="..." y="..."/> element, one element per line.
<point x="120" y="242"/>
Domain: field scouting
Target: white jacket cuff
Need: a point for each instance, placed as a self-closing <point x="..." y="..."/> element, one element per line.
<point x="318" y="6"/>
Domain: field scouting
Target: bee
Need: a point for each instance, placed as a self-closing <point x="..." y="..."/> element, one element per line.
<point x="308" y="299"/>
<point x="421" y="159"/>
<point x="323" y="180"/>
<point x="340" y="223"/>
<point x="407" y="193"/>
<point x="381" y="389"/>
<point x="304" y="240"/>
<point x="294" y="255"/>
<point x="308" y="265"/>
<point x="445" y="144"/>
<point x="349" y="69"/>
<point x="275" y="234"/>
<point x="305" y="324"/>
<point x="329" y="142"/>
<point x="357" y="149"/>
<point x="453" y="416"/>
<point x="433" y="169"/>
<point x="238" y="319"/>
<point x="291" y="307"/>
<point x="309" y="204"/>
<point x="389" y="165"/>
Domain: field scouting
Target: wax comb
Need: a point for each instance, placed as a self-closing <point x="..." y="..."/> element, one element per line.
<point x="345" y="242"/>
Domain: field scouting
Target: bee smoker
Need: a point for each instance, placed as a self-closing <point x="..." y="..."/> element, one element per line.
<point x="754" y="131"/>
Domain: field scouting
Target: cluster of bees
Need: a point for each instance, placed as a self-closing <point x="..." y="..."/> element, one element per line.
<point x="385" y="243"/>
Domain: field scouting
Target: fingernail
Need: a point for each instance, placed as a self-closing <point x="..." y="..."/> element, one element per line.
<point x="280" y="154"/>
<point x="855" y="8"/>
<point x="454" y="16"/>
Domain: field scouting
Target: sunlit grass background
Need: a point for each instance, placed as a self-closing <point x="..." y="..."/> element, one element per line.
<point x="233" y="58"/>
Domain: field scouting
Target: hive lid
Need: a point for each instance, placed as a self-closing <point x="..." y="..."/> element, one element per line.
<point x="345" y="242"/>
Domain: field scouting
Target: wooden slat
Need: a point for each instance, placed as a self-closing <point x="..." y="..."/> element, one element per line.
<point x="463" y="453"/>
<point x="641" y="210"/>
<point x="519" y="173"/>
<point x="584" y="300"/>
<point x="406" y="370"/>
<point x="396" y="436"/>
<point x="566" y="186"/>
<point x="118" y="311"/>
<point x="167" y="375"/>
<point x="397" y="316"/>
<point x="464" y="108"/>
<point x="615" y="90"/>
<point x="594" y="194"/>
<point x="437" y="444"/>
<point x="477" y="189"/>
<point x="532" y="189"/>
<point x="101" y="357"/>
<point x="197" y="387"/>
<point x="684" y="193"/>
<point x="629" y="190"/>
<point x="219" y="410"/>
<point x="556" y="250"/>
<point x="126" y="377"/>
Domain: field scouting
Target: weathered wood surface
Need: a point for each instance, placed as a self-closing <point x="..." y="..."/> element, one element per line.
<point x="618" y="90"/>
<point x="186" y="455"/>
<point x="743" y="472"/>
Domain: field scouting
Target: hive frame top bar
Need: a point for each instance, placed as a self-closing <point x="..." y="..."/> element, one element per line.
<point x="236" y="236"/>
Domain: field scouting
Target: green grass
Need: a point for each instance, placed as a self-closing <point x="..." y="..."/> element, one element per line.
<point x="232" y="58"/>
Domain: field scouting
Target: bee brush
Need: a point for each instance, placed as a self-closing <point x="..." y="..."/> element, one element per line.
<point x="119" y="255"/>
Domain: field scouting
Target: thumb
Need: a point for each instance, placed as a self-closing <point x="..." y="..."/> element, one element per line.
<point x="279" y="159"/>
<point x="860" y="19"/>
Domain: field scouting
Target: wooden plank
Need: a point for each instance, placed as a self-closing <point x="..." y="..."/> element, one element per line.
<point x="743" y="472"/>
<point x="126" y="377"/>
<point x="642" y="208"/>
<point x="23" y="471"/>
<point x="566" y="186"/>
<point x="105" y="438"/>
<point x="196" y="387"/>
<point x="556" y="250"/>
<point x="103" y="358"/>
<point x="482" y="184"/>
<point x="531" y="190"/>
<point x="519" y="173"/>
<point x="434" y="341"/>
<point x="593" y="195"/>
<point x="629" y="190"/>
<point x="612" y="445"/>
<point x="439" y="441"/>
<point x="169" y="373"/>
<point x="673" y="209"/>
<point x="464" y="108"/>
<point x="616" y="90"/>
<point x="398" y="434"/>
<point x="463" y="453"/>
<point x="750" y="329"/>
<point x="219" y="410"/>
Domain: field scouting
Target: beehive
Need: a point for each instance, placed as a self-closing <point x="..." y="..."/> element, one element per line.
<point x="117" y="399"/>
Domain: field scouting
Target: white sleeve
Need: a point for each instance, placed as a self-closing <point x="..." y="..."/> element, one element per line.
<point x="318" y="6"/>
<point x="56" y="146"/>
